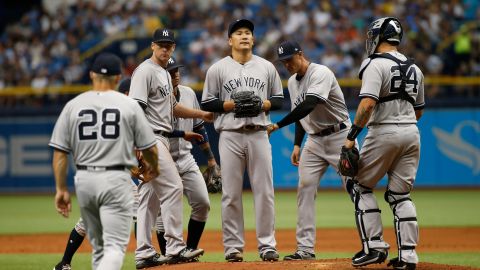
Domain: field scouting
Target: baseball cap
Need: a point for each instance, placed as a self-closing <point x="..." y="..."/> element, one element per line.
<point x="239" y="24"/>
<point x="107" y="64"/>
<point x="124" y="86"/>
<point x="287" y="49"/>
<point x="173" y="64"/>
<point x="163" y="35"/>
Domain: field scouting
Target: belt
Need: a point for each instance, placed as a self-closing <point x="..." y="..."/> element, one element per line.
<point x="101" y="168"/>
<point x="161" y="133"/>
<point x="331" y="129"/>
<point x="253" y="127"/>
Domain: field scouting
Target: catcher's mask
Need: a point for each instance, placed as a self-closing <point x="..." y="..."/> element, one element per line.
<point x="384" y="29"/>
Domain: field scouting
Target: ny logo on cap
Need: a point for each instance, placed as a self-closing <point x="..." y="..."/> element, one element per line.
<point x="170" y="61"/>
<point x="280" y="50"/>
<point x="103" y="70"/>
<point x="165" y="33"/>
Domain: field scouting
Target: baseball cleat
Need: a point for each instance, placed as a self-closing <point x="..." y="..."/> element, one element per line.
<point x="234" y="257"/>
<point x="374" y="256"/>
<point x="270" y="255"/>
<point x="62" y="266"/>
<point x="299" y="255"/>
<point x="401" y="265"/>
<point x="155" y="260"/>
<point x="185" y="255"/>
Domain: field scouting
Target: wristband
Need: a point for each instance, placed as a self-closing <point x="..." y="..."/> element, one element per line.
<point x="353" y="132"/>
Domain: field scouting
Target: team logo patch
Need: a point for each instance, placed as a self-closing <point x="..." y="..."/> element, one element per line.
<point x="165" y="33"/>
<point x="280" y="50"/>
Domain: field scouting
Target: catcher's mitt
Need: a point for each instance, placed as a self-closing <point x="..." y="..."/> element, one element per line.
<point x="213" y="179"/>
<point x="348" y="163"/>
<point x="247" y="104"/>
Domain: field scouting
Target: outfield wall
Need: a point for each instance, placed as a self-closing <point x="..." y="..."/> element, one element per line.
<point x="450" y="152"/>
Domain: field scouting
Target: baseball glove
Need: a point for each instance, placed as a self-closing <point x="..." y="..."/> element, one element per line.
<point x="247" y="104"/>
<point x="348" y="163"/>
<point x="213" y="179"/>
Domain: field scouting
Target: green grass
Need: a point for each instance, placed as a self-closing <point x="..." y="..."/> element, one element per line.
<point x="36" y="214"/>
<point x="439" y="208"/>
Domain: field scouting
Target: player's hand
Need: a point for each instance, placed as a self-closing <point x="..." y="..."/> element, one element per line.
<point x="349" y="144"/>
<point x="295" y="157"/>
<point x="266" y="105"/>
<point x="271" y="128"/>
<point x="63" y="203"/>
<point x="192" y="136"/>
<point x="207" y="117"/>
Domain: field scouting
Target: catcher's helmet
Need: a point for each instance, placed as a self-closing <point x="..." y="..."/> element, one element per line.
<point x="383" y="29"/>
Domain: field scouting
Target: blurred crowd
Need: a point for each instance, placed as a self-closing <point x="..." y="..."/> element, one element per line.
<point x="46" y="46"/>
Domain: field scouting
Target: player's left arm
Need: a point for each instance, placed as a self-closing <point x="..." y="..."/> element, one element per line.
<point x="204" y="144"/>
<point x="63" y="202"/>
<point x="364" y="111"/>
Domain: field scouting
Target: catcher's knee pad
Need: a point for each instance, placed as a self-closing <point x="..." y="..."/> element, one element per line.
<point x="368" y="219"/>
<point x="405" y="222"/>
<point x="80" y="227"/>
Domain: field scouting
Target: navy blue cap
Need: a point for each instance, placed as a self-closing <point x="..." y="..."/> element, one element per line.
<point x="163" y="35"/>
<point x="107" y="64"/>
<point x="287" y="49"/>
<point x="173" y="64"/>
<point x="124" y="86"/>
<point x="239" y="24"/>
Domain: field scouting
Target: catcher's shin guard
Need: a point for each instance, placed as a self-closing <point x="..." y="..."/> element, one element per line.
<point x="368" y="219"/>
<point x="405" y="224"/>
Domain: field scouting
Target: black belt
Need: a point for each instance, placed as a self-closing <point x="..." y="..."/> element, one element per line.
<point x="331" y="129"/>
<point x="162" y="133"/>
<point x="101" y="168"/>
<point x="253" y="127"/>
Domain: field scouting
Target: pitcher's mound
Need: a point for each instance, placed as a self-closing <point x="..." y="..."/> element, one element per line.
<point x="333" y="264"/>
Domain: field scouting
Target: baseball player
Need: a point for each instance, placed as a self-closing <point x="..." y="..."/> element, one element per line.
<point x="151" y="86"/>
<point x="78" y="232"/>
<point x="318" y="108"/>
<point x="243" y="142"/>
<point x="392" y="101"/>
<point x="194" y="186"/>
<point x="100" y="128"/>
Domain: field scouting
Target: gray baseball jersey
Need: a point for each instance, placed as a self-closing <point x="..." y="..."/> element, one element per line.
<point x="320" y="82"/>
<point x="391" y="147"/>
<point x="240" y="149"/>
<point x="376" y="83"/>
<point x="227" y="75"/>
<point x="151" y="86"/>
<point x="319" y="151"/>
<point x="100" y="129"/>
